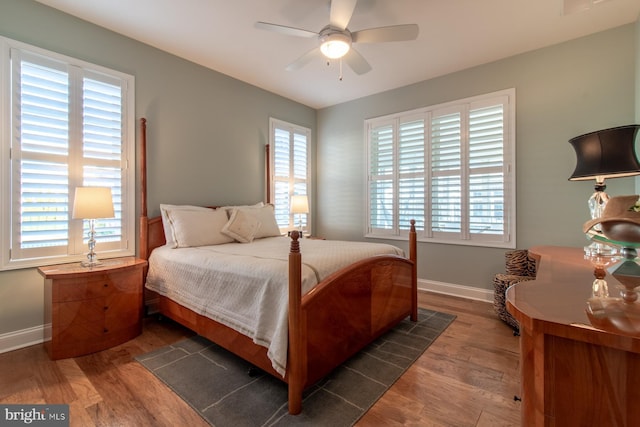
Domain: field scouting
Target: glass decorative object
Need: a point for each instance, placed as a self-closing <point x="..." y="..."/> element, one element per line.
<point x="625" y="269"/>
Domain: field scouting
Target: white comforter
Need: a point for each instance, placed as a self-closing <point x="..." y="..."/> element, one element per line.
<point x="245" y="285"/>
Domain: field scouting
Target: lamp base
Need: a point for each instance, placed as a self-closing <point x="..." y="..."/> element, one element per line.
<point x="597" y="202"/>
<point x="92" y="257"/>
<point x="95" y="263"/>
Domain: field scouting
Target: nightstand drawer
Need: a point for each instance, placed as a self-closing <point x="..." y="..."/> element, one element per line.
<point x="83" y="331"/>
<point x="98" y="285"/>
<point x="94" y="330"/>
<point x="79" y="312"/>
<point x="78" y="343"/>
<point x="120" y="309"/>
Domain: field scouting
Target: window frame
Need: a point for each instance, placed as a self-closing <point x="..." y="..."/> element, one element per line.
<point x="506" y="239"/>
<point x="76" y="248"/>
<point x="294" y="219"/>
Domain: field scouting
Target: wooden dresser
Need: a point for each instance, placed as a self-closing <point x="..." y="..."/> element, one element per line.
<point x="92" y="309"/>
<point x="578" y="368"/>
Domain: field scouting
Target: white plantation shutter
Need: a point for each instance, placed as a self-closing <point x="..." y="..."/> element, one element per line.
<point x="40" y="157"/>
<point x="467" y="171"/>
<point x="396" y="174"/>
<point x="381" y="178"/>
<point x="411" y="174"/>
<point x="71" y="126"/>
<point x="281" y="149"/>
<point x="102" y="150"/>
<point x="290" y="170"/>
<point x="465" y="196"/>
<point x="486" y="170"/>
<point x="300" y="162"/>
<point x="446" y="173"/>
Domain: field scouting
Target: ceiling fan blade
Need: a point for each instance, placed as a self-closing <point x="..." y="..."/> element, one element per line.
<point x="282" y="29"/>
<point x="356" y="61"/>
<point x="305" y="59"/>
<point x="341" y="12"/>
<point x="393" y="33"/>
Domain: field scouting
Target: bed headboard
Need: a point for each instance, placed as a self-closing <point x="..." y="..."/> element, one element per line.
<point x="155" y="236"/>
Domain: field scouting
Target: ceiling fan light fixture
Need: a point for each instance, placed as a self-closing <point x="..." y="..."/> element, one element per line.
<point x="335" y="45"/>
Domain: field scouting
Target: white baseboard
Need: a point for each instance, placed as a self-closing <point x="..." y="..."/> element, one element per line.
<point x="23" y="338"/>
<point x="451" y="289"/>
<point x="38" y="334"/>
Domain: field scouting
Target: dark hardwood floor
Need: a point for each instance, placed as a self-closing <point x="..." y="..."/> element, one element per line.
<point x="467" y="377"/>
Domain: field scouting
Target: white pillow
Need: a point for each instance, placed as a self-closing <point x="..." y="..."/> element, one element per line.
<point x="166" y="223"/>
<point x="241" y="226"/>
<point x="198" y="228"/>
<point x="267" y="218"/>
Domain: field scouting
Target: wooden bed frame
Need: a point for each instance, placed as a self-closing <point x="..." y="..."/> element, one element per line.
<point x="329" y="324"/>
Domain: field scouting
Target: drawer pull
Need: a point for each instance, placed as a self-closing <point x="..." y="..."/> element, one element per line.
<point x="106" y="285"/>
<point x="105" y="330"/>
<point x="106" y="307"/>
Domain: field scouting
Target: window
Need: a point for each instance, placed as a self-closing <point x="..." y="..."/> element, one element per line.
<point x="449" y="167"/>
<point x="70" y="125"/>
<point x="289" y="166"/>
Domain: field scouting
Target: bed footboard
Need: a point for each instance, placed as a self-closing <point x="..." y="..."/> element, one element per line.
<point x="345" y="313"/>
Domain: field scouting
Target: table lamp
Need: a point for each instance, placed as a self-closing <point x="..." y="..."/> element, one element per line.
<point x="92" y="203"/>
<point x="300" y="206"/>
<point x="607" y="153"/>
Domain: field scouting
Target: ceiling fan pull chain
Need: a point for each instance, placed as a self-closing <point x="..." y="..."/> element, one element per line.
<point x="340" y="77"/>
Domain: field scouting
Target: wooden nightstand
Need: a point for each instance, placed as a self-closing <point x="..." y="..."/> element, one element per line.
<point x="92" y="309"/>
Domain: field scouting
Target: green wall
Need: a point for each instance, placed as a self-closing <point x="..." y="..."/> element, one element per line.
<point x="206" y="131"/>
<point x="562" y="91"/>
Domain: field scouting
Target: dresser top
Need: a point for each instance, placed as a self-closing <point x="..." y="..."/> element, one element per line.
<point x="561" y="300"/>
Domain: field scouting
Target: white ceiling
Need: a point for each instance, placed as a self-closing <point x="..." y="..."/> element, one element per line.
<point x="454" y="35"/>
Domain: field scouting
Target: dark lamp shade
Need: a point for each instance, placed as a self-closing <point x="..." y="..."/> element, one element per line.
<point x="608" y="153"/>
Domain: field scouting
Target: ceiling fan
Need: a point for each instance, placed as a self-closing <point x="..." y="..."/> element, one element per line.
<point x="335" y="40"/>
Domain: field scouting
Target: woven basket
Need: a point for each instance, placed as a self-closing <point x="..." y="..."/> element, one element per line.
<point x="500" y="284"/>
<point x="519" y="263"/>
<point x="519" y="267"/>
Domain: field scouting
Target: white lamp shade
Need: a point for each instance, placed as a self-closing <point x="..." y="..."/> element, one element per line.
<point x="92" y="203"/>
<point x="299" y="204"/>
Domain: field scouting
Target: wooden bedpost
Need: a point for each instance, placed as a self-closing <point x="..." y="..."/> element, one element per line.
<point x="144" y="219"/>
<point x="267" y="168"/>
<point x="413" y="256"/>
<point x="295" y="370"/>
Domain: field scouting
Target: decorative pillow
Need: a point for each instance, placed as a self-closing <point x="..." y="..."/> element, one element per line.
<point x="241" y="226"/>
<point x="198" y="228"/>
<point x="166" y="223"/>
<point x="230" y="209"/>
<point x="267" y="218"/>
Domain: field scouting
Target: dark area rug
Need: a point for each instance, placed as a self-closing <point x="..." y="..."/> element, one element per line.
<point x="216" y="383"/>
